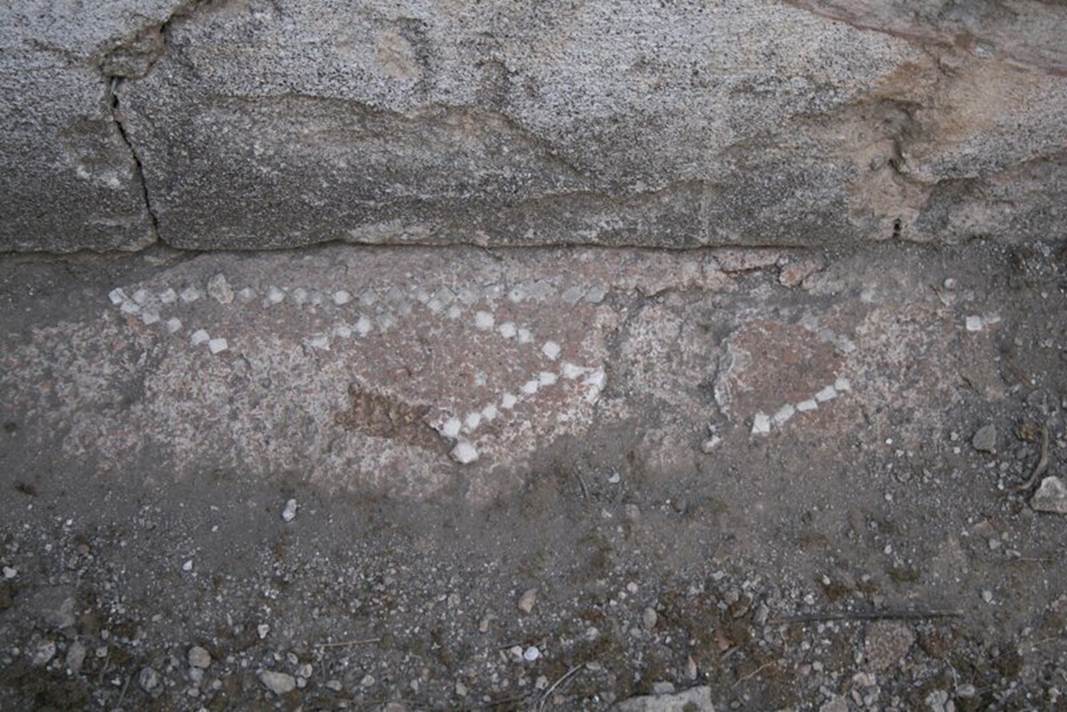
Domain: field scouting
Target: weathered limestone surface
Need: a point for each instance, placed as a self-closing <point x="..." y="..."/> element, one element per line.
<point x="289" y="122"/>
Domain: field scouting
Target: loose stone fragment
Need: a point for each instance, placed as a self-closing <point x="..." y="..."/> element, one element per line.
<point x="761" y="424"/>
<point x="279" y="683"/>
<point x="199" y="657"/>
<point x="1051" y="496"/>
<point x="527" y="600"/>
<point x="985" y="439"/>
<point x="464" y="453"/>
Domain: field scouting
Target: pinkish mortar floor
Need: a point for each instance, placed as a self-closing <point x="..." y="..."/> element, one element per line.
<point x="679" y="452"/>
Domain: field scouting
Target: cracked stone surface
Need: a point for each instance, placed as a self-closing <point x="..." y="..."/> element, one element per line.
<point x="415" y="478"/>
<point x="279" y="123"/>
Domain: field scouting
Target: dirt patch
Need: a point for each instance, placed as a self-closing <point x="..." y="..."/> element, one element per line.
<point x="387" y="417"/>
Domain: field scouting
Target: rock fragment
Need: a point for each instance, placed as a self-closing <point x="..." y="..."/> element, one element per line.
<point x="761" y="424"/>
<point x="1051" y="496"/>
<point x="464" y="453"/>
<point x="43" y="652"/>
<point x="886" y="644"/>
<point x="148" y="679"/>
<point x="527" y="600"/>
<point x="695" y="699"/>
<point x="280" y="683"/>
<point x="199" y="657"/>
<point x="76" y="657"/>
<point x="985" y="439"/>
<point x="289" y="512"/>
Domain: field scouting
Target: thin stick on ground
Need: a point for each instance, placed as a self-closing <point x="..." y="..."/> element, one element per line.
<point x="867" y="616"/>
<point x="1042" y="464"/>
<point x="344" y="643"/>
<point x="564" y="678"/>
<point x="581" y="483"/>
<point x="752" y="674"/>
<point x="495" y="703"/>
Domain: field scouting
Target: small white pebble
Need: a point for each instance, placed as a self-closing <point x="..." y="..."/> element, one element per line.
<point x="464" y="453"/>
<point x="168" y="296"/>
<point x="710" y="444"/>
<point x="300" y="295"/>
<point x="363" y="326"/>
<point x="531" y="654"/>
<point x="451" y="427"/>
<point x="489" y="412"/>
<point x="508" y="330"/>
<point x="546" y="378"/>
<point x="140" y="296"/>
<point x="596" y="379"/>
<point x="808" y="405"/>
<point x="472" y="420"/>
<point x="10" y="572"/>
<point x="262" y="629"/>
<point x="842" y="385"/>
<point x="342" y="332"/>
<point x="551" y="350"/>
<point x="275" y="295"/>
<point x="129" y="308"/>
<point x="341" y="297"/>
<point x="761" y="424"/>
<point x="289" y="511"/>
<point x="174" y="325"/>
<point x="246" y="295"/>
<point x="117" y="296"/>
<point x="199" y="337"/>
<point x="571" y="371"/>
<point x="530" y="387"/>
<point x="150" y="317"/>
<point x="974" y="323"/>
<point x="483" y="320"/>
<point x="525" y="336"/>
<point x="319" y="341"/>
<point x="826" y="394"/>
<point x="784" y="414"/>
<point x="508" y="401"/>
<point x="188" y="565"/>
<point x="190" y="294"/>
<point x="218" y="345"/>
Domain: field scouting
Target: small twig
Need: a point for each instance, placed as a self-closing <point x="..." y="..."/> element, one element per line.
<point x="1043" y="642"/>
<point x="581" y="483"/>
<point x="564" y="678"/>
<point x="729" y="652"/>
<point x="1042" y="464"/>
<point x="357" y="641"/>
<point x="503" y="701"/>
<point x="103" y="670"/>
<point x="867" y="616"/>
<point x="755" y="672"/>
<point x="124" y="688"/>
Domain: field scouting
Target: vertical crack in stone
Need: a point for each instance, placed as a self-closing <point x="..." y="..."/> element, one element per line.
<point x="113" y="84"/>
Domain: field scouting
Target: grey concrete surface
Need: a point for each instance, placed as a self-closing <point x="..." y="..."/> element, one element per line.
<point x="291" y="122"/>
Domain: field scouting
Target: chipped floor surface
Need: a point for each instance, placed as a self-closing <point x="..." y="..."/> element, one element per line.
<point x="679" y="452"/>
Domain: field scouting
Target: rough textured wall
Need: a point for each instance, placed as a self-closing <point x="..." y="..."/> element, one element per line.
<point x="277" y="123"/>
